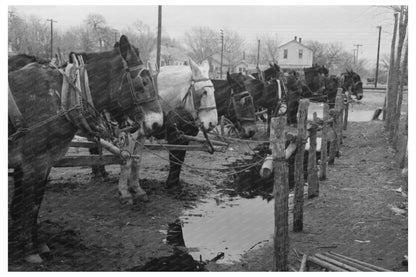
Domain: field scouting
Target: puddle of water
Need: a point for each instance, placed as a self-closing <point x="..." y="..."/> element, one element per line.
<point x="226" y="224"/>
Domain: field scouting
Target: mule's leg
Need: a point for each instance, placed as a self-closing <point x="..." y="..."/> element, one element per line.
<point x="125" y="169"/>
<point x="42" y="247"/>
<point x="98" y="170"/>
<point x="24" y="208"/>
<point x="134" y="182"/>
<point x="176" y="158"/>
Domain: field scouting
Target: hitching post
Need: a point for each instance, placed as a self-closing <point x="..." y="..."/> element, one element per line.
<point x="324" y="143"/>
<point x="281" y="193"/>
<point x="299" y="180"/>
<point x="313" y="183"/>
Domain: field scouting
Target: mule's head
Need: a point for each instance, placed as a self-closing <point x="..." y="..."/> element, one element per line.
<point x="351" y="81"/>
<point x="243" y="105"/>
<point x="137" y="94"/>
<point x="203" y="95"/>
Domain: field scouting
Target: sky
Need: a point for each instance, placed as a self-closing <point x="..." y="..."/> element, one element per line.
<point x="349" y="25"/>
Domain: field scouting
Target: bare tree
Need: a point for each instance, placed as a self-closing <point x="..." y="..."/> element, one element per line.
<point x="202" y="42"/>
<point x="141" y="36"/>
<point x="233" y="46"/>
<point x="270" y="47"/>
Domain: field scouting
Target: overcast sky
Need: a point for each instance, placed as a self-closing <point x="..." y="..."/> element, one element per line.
<point x="348" y="25"/>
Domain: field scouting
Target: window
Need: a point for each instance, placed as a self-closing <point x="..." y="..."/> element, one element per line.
<point x="285" y="54"/>
<point x="300" y="53"/>
<point x="240" y="69"/>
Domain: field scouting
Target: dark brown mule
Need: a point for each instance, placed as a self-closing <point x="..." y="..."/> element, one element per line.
<point x="119" y="84"/>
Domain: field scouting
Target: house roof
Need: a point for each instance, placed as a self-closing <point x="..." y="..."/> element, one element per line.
<point x="295" y="41"/>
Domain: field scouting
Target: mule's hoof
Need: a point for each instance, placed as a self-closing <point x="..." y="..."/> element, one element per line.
<point x="142" y="198"/>
<point x="126" y="200"/>
<point x="34" y="259"/>
<point x="44" y="249"/>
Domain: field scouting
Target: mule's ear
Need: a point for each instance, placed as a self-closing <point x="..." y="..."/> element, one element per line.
<point x="229" y="79"/>
<point x="194" y="67"/>
<point x="205" y="65"/>
<point x="270" y="64"/>
<point x="124" y="46"/>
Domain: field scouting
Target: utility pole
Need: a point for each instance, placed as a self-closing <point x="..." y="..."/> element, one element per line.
<point x="258" y="53"/>
<point x="222" y="51"/>
<point x="159" y="37"/>
<point x="52" y="21"/>
<point x="378" y="55"/>
<point x="353" y="54"/>
<point x="358" y="47"/>
<point x="115" y="36"/>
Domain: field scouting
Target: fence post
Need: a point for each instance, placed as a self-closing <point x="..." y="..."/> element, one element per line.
<point x="299" y="179"/>
<point x="341" y="115"/>
<point x="339" y="107"/>
<point x="281" y="193"/>
<point x="335" y="113"/>
<point x="313" y="183"/>
<point x="346" y="109"/>
<point x="324" y="143"/>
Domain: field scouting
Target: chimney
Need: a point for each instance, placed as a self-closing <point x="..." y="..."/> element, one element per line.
<point x="296" y="38"/>
<point x="300" y="40"/>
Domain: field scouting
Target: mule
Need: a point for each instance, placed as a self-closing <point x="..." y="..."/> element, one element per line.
<point x="236" y="104"/>
<point x="188" y="101"/>
<point x="20" y="60"/>
<point x="269" y="94"/>
<point x="119" y="84"/>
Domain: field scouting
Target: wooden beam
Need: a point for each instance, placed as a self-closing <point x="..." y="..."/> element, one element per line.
<point x="203" y="140"/>
<point x="324" y="143"/>
<point x="299" y="180"/>
<point x="171" y="147"/>
<point x="88" y="160"/>
<point x="377" y="268"/>
<point x="337" y="263"/>
<point x="281" y="194"/>
<point x="303" y="263"/>
<point x="313" y="182"/>
<point x="325" y="264"/>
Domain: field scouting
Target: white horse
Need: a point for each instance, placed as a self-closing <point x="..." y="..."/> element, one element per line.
<point x="186" y="87"/>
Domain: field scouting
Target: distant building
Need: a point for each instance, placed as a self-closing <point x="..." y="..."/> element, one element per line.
<point x="215" y="66"/>
<point x="295" y="55"/>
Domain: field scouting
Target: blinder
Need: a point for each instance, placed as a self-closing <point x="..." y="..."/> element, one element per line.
<point x="243" y="106"/>
<point x="195" y="96"/>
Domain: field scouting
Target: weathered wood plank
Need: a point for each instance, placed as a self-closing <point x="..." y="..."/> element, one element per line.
<point x="313" y="183"/>
<point x="324" y="143"/>
<point x="281" y="193"/>
<point x="299" y="182"/>
<point x="88" y="160"/>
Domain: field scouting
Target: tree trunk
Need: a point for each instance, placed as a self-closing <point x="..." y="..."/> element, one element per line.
<point x="396" y="72"/>
<point x="389" y="102"/>
<point x="396" y="121"/>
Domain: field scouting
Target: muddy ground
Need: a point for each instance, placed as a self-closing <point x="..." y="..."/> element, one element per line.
<point x="89" y="229"/>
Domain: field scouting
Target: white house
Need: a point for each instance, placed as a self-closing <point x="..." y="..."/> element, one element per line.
<point x="295" y="55"/>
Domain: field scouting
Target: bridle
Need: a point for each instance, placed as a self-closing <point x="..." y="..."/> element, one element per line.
<point x="138" y="98"/>
<point x="238" y="96"/>
<point x="353" y="84"/>
<point x="196" y="101"/>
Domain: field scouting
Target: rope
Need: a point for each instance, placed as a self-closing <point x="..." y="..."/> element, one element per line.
<point x="204" y="169"/>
